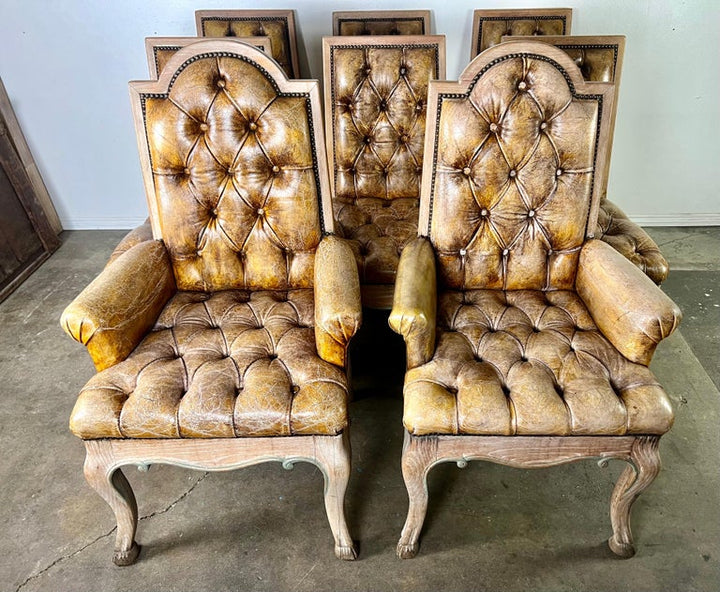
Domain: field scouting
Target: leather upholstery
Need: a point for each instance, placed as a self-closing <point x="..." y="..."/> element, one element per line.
<point x="137" y="235"/>
<point x="517" y="349"/>
<point x="232" y="363"/>
<point x="233" y="167"/>
<point x="596" y="63"/>
<point x="528" y="362"/>
<point x="492" y="29"/>
<point x="513" y="180"/>
<point x="237" y="322"/>
<point x="378" y="123"/>
<point x="119" y="306"/>
<point x="612" y="286"/>
<point x="276" y="28"/>
<point x="629" y="239"/>
<point x="380" y="26"/>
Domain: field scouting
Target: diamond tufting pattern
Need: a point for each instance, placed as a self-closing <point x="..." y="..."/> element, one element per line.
<point x="232" y="363"/>
<point x="513" y="176"/>
<point x="234" y="170"/>
<point x="379" y="94"/>
<point x="528" y="362"/>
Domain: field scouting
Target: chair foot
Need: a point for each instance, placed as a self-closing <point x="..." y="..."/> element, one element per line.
<point x="345" y="553"/>
<point x="123" y="558"/>
<point x="407" y="551"/>
<point x="622" y="550"/>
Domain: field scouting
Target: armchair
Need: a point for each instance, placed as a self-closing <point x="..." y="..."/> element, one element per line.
<point x="222" y="343"/>
<point x="375" y="109"/>
<point x="527" y="340"/>
<point x="600" y="59"/>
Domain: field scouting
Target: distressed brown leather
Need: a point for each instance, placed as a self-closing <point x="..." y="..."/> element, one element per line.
<point x="274" y="28"/>
<point x="493" y="29"/>
<point x="631" y="241"/>
<point x="338" y="311"/>
<point x="512" y="181"/>
<point x="237" y="323"/>
<point x="119" y="306"/>
<point x="232" y="363"/>
<point x="233" y="164"/>
<point x="379" y="98"/>
<point x="529" y="362"/>
<point x="518" y="350"/>
<point x="137" y="235"/>
<point x="380" y="26"/>
<point x="414" y="306"/>
<point x="629" y="309"/>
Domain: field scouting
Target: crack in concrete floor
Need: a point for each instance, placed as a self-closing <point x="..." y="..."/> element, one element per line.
<point x="63" y="558"/>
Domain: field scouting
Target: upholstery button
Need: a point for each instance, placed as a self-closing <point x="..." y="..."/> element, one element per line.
<point x="186" y="171"/>
<point x="368" y="139"/>
<point x="252" y="126"/>
<point x="419" y="106"/>
<point x="463" y="252"/>
<point x="260" y="212"/>
<point x="543" y="125"/>
<point x="550" y="252"/>
<point x="385" y="172"/>
<point x="276" y="169"/>
<point x="203" y="127"/>
<point x="221" y="83"/>
<point x="367" y="71"/>
<point x="295" y="389"/>
<point x="403" y="71"/>
<point x="558" y="172"/>
<point x="383" y="105"/>
<point x="418" y="170"/>
<point x="404" y="139"/>
<point x="467" y="171"/>
<point x="531" y="214"/>
<point x="483" y="212"/>
<point x="493" y="127"/>
<point x="506" y="252"/>
<point x="513" y="173"/>
<point x="231" y="172"/>
<point x="522" y="85"/>
<point x="214" y="212"/>
<point x="351" y="170"/>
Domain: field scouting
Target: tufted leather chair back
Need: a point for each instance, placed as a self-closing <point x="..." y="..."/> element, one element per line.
<point x="279" y="25"/>
<point x="489" y="26"/>
<point x="376" y="95"/>
<point x="159" y="50"/>
<point x="512" y="189"/>
<point x="234" y="168"/>
<point x="381" y="22"/>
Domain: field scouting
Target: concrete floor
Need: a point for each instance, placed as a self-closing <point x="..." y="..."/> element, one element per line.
<point x="489" y="527"/>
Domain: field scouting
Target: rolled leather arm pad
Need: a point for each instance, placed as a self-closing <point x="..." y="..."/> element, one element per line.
<point x="629" y="309"/>
<point x="114" y="312"/>
<point x="631" y="241"/>
<point x="338" y="310"/>
<point x="414" y="308"/>
<point x="136" y="236"/>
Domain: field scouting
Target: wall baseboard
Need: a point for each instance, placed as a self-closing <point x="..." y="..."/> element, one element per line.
<point x="694" y="219"/>
<point x="113" y="223"/>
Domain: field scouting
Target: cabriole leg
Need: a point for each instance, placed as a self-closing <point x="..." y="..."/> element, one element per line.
<point x="112" y="486"/>
<point x="332" y="456"/>
<point x="416" y="459"/>
<point x="637" y="476"/>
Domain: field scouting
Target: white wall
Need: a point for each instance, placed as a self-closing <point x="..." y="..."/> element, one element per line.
<point x="66" y="65"/>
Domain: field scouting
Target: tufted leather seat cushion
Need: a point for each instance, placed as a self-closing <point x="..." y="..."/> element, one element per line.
<point x="232" y="363"/>
<point x="492" y="29"/>
<point x="626" y="237"/>
<point x="514" y="168"/>
<point x="234" y="168"/>
<point x="528" y="362"/>
<point x="378" y="128"/>
<point x="379" y="26"/>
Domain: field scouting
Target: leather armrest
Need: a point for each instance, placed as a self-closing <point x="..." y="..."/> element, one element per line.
<point x="629" y="309"/>
<point x="414" y="310"/>
<point x="631" y="241"/>
<point x="136" y="236"/>
<point x="338" y="310"/>
<point x="114" y="312"/>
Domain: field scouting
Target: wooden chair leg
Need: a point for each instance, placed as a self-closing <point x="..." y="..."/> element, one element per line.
<point x="416" y="461"/>
<point x="637" y="476"/>
<point x="113" y="487"/>
<point x="332" y="456"/>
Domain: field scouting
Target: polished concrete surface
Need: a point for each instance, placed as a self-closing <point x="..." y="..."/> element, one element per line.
<point x="263" y="528"/>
